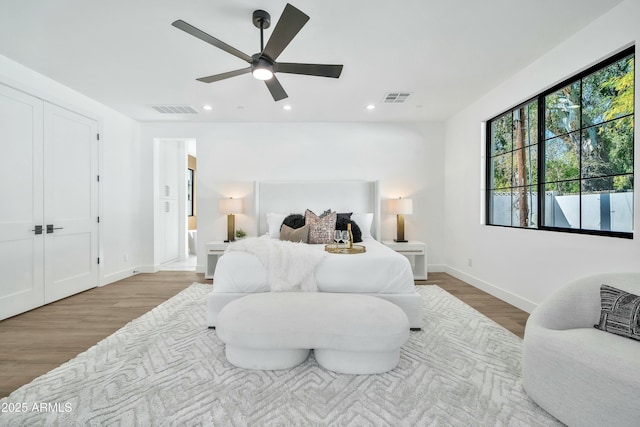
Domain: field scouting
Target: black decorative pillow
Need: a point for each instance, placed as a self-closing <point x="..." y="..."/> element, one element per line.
<point x="294" y="221"/>
<point x="346" y="215"/>
<point x="341" y="224"/>
<point x="620" y="313"/>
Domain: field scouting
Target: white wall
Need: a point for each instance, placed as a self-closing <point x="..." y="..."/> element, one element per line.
<point x="405" y="158"/>
<point x="524" y="266"/>
<point x="120" y="207"/>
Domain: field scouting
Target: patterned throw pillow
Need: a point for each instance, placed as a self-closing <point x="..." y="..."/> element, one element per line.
<point x="321" y="229"/>
<point x="296" y="235"/>
<point x="620" y="312"/>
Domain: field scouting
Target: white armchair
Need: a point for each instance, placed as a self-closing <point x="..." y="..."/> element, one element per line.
<point x="577" y="373"/>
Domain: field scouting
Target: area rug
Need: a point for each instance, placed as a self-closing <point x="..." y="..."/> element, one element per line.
<point x="167" y="369"/>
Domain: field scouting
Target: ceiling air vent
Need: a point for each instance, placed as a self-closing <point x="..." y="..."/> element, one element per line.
<point x="174" y="109"/>
<point x="396" y="97"/>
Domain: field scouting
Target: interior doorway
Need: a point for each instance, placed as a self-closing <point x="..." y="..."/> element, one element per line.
<point x="175" y="227"/>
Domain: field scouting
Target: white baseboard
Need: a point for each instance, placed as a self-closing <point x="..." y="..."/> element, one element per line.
<point x="114" y="277"/>
<point x="436" y="268"/>
<point x="515" y="300"/>
<point x="148" y="268"/>
<point x="201" y="268"/>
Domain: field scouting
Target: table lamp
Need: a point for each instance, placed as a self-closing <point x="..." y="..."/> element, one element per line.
<point x="400" y="207"/>
<point x="230" y="207"/>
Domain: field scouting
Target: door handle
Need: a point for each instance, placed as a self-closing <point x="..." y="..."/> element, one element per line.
<point x="50" y="228"/>
<point x="37" y="229"/>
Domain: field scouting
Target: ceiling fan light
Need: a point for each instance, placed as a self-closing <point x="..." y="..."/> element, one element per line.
<point x="262" y="73"/>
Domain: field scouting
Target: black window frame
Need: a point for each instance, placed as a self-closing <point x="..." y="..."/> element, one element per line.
<point x="540" y="184"/>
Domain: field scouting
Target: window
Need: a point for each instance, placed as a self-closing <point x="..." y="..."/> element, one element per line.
<point x="564" y="160"/>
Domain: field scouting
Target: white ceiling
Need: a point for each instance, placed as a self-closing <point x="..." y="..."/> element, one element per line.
<point x="447" y="53"/>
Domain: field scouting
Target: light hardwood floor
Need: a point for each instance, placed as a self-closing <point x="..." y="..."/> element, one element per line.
<point x="35" y="342"/>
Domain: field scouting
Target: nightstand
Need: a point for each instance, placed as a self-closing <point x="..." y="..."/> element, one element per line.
<point x="416" y="252"/>
<point x="214" y="251"/>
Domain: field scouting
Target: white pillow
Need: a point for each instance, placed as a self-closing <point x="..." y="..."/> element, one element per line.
<point x="364" y="221"/>
<point x="274" y="222"/>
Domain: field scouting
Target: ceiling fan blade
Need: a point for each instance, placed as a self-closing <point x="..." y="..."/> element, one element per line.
<point x="291" y="21"/>
<point x="222" y="76"/>
<point x="188" y="28"/>
<point x="276" y="89"/>
<point x="322" y="70"/>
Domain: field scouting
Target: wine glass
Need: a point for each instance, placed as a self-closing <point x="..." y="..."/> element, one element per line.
<point x="337" y="237"/>
<point x="345" y="237"/>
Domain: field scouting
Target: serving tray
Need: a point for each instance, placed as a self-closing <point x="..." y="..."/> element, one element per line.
<point x="334" y="248"/>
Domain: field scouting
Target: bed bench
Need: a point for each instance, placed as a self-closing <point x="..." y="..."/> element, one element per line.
<point x="349" y="333"/>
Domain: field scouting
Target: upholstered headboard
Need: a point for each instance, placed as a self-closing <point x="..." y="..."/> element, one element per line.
<point x="296" y="196"/>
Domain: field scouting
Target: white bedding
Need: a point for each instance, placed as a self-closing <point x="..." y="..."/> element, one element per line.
<point x="379" y="270"/>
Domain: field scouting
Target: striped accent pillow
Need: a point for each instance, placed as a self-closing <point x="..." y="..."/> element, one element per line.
<point x="620" y="312"/>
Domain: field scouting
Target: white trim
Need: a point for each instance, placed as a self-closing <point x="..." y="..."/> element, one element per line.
<point x="436" y="268"/>
<point x="120" y="275"/>
<point x="148" y="268"/>
<point x="513" y="299"/>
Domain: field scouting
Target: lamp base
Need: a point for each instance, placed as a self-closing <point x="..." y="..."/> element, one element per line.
<point x="400" y="233"/>
<point x="231" y="228"/>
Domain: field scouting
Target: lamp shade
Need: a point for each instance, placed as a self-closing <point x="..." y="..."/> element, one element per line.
<point x="230" y="206"/>
<point x="400" y="206"/>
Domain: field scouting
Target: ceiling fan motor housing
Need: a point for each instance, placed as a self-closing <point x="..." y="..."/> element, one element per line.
<point x="261" y="62"/>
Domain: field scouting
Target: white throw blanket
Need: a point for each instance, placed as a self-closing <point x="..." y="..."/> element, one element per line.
<point x="290" y="266"/>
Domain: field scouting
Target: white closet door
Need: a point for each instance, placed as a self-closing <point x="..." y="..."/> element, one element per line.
<point x="21" y="203"/>
<point x="71" y="202"/>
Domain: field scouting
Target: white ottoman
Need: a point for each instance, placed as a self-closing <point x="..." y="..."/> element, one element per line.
<point x="351" y="334"/>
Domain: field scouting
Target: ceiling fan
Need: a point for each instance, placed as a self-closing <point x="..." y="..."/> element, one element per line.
<point x="263" y="65"/>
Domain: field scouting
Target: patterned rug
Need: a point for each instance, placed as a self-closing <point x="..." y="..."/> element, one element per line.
<point x="167" y="369"/>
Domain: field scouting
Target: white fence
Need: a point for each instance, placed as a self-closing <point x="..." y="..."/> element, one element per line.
<point x="600" y="211"/>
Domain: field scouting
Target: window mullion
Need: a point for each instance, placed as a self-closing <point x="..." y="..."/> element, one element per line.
<point x="541" y="151"/>
<point x="580" y="155"/>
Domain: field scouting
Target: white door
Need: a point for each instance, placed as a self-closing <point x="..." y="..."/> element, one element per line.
<point x="71" y="202"/>
<point x="21" y="203"/>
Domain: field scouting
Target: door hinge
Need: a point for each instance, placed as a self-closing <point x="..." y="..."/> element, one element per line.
<point x="98" y="177"/>
<point x="98" y="260"/>
<point x="98" y="220"/>
<point x="98" y="136"/>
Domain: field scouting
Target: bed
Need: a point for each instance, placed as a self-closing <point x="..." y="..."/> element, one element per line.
<point x="380" y="271"/>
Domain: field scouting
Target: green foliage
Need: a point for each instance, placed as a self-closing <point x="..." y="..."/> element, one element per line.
<point x="562" y="162"/>
<point x="606" y="138"/>
<point x="624" y="87"/>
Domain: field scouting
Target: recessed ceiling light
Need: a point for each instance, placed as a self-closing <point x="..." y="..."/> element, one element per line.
<point x="286" y="107"/>
<point x="371" y="107"/>
<point x="207" y="107"/>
